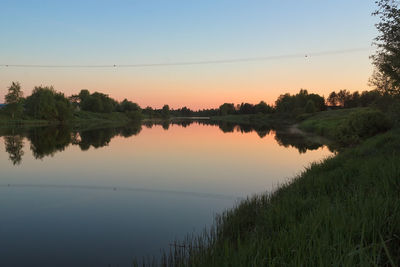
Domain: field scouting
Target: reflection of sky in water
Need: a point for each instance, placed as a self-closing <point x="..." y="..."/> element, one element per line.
<point x="134" y="196"/>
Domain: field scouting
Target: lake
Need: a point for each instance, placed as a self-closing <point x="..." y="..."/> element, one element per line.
<point x="102" y="196"/>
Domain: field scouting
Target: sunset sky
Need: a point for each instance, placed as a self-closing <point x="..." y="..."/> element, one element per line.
<point x="99" y="32"/>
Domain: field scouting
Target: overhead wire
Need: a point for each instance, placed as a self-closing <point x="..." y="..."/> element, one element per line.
<point x="195" y="62"/>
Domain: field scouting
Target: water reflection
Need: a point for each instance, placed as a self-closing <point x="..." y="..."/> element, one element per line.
<point x="14" y="147"/>
<point x="46" y="141"/>
<point x="104" y="198"/>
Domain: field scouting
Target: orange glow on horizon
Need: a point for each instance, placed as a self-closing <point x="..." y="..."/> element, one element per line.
<point x="202" y="87"/>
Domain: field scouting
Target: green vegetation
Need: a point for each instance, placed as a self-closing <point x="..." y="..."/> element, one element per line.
<point x="386" y="59"/>
<point x="46" y="104"/>
<point x="326" y="123"/>
<point x="361" y="125"/>
<point x="47" y="140"/>
<point x="297" y="104"/>
<point x="14" y="100"/>
<point x="341" y="212"/>
<point x="349" y="127"/>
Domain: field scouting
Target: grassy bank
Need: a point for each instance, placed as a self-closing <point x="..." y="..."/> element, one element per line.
<point x="325" y="123"/>
<point x="80" y="118"/>
<point x="344" y="211"/>
<point x="272" y="120"/>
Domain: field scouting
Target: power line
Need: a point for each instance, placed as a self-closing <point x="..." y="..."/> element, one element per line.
<point x="198" y="62"/>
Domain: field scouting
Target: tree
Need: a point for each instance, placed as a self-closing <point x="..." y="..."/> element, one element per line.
<point x="332" y="99"/>
<point x="127" y="105"/>
<point x="96" y="102"/>
<point x="386" y="58"/>
<point x="46" y="104"/>
<point x="296" y="104"/>
<point x="380" y="82"/>
<point x="343" y="96"/>
<point x="226" y="109"/>
<point x="14" y="99"/>
<point x="165" y="111"/>
<point x="83" y="94"/>
<point x="246" y="108"/>
<point x="310" y="107"/>
<point x="263" y="107"/>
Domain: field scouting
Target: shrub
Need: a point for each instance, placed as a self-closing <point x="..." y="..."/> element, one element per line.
<point x="46" y="104"/>
<point x="361" y="125"/>
<point x="310" y="107"/>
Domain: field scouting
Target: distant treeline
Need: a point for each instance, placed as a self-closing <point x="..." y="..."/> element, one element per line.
<point x="45" y="103"/>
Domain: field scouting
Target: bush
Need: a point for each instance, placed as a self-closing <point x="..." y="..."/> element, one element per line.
<point x="394" y="113"/>
<point x="310" y="107"/>
<point x="46" y="104"/>
<point x="361" y="125"/>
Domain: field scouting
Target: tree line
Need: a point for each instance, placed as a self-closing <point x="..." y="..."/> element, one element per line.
<point x="45" y="103"/>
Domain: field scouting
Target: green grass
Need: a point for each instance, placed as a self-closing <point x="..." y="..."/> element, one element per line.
<point x="86" y="117"/>
<point x="257" y="119"/>
<point x="80" y="118"/>
<point x="325" y="123"/>
<point x="344" y="211"/>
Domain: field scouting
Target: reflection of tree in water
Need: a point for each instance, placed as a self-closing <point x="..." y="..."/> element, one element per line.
<point x="148" y="124"/>
<point x="227" y="127"/>
<point x="262" y="131"/>
<point x="165" y="125"/>
<point x="14" y="147"/>
<point x="302" y="143"/>
<point x="131" y="129"/>
<point x="45" y="141"/>
<point x="96" y="138"/>
<point x="101" y="137"/>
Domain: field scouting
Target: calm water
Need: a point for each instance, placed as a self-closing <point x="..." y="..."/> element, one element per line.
<point x="71" y="197"/>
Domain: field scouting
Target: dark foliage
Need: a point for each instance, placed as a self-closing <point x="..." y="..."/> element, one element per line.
<point x="46" y="104"/>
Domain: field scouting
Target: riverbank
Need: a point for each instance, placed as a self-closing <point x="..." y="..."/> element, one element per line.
<point x="80" y="118"/>
<point x="271" y="120"/>
<point x="343" y="211"/>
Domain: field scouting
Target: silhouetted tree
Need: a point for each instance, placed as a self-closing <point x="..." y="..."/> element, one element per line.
<point x="47" y="104"/>
<point x="14" y="100"/>
<point x="127" y="105"/>
<point x="263" y="107"/>
<point x="227" y="109"/>
<point x="343" y="96"/>
<point x="165" y="111"/>
<point x="386" y="58"/>
<point x="296" y="104"/>
<point x="310" y="107"/>
<point x="97" y="102"/>
<point x="332" y="99"/>
<point x="246" y="108"/>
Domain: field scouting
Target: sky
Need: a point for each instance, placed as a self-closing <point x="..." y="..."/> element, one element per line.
<point x="100" y="32"/>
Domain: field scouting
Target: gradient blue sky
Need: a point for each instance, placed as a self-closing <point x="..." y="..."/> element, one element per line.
<point x="130" y="32"/>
